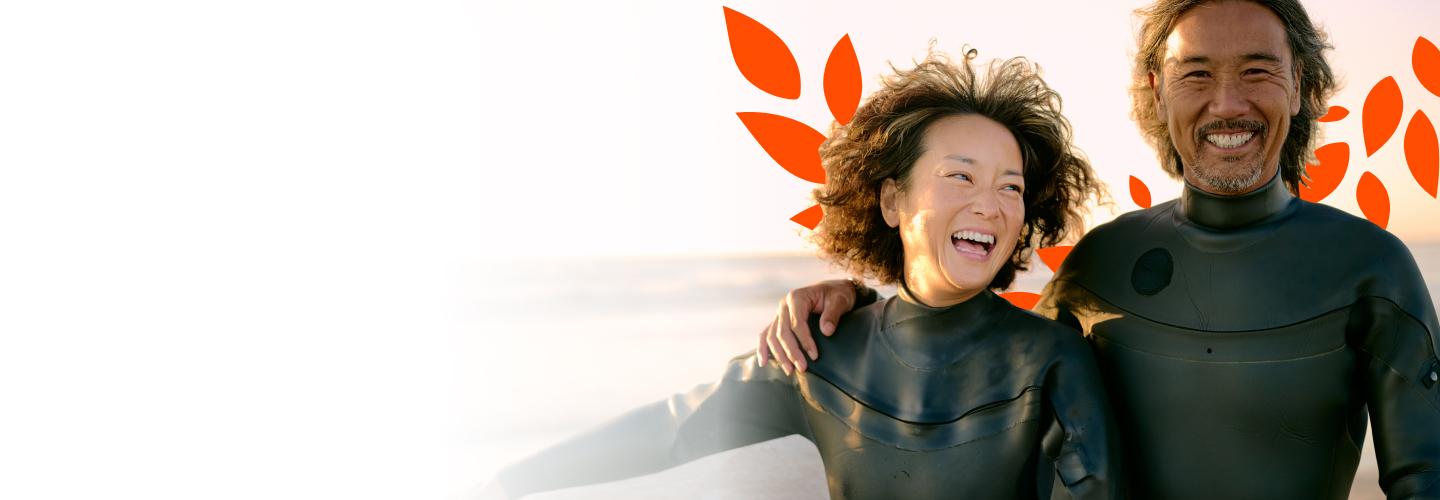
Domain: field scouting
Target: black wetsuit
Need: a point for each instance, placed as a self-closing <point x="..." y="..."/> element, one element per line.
<point x="1242" y="338"/>
<point x="980" y="400"/>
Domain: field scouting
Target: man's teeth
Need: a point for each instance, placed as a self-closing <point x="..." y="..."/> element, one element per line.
<point x="974" y="236"/>
<point x="1229" y="140"/>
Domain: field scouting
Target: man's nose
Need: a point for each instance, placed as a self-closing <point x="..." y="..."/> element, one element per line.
<point x="1229" y="100"/>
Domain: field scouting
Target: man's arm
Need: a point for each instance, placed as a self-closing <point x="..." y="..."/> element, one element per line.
<point x="788" y="334"/>
<point x="1404" y="398"/>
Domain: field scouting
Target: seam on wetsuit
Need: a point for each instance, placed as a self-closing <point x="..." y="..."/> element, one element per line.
<point x="976" y="409"/>
<point x="1342" y="346"/>
<point x="1408" y="383"/>
<point x="1312" y="318"/>
<point x="846" y="421"/>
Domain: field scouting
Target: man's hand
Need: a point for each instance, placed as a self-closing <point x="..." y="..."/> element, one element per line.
<point x="789" y="332"/>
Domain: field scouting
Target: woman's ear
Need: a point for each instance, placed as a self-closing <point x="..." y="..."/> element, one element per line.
<point x="888" y="192"/>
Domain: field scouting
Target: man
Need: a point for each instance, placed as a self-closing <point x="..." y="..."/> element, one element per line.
<point x="1242" y="332"/>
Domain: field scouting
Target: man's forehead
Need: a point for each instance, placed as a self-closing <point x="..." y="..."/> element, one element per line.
<point x="1233" y="31"/>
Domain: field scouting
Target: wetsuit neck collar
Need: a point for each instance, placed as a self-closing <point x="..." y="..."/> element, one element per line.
<point x="930" y="337"/>
<point x="1228" y="212"/>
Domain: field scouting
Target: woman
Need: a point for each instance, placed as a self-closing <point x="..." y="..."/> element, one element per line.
<point x="941" y="183"/>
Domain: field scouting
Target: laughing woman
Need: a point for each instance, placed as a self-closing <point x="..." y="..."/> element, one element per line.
<point x="941" y="183"/>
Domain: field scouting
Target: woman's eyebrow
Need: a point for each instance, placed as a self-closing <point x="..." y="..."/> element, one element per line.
<point x="1012" y="172"/>
<point x="962" y="159"/>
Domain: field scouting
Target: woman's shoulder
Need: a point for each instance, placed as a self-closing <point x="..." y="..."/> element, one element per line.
<point x="1050" y="336"/>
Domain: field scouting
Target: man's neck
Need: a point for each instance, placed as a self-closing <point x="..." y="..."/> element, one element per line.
<point x="1228" y="212"/>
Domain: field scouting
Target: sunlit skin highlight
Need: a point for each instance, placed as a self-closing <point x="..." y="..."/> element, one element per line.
<point x="969" y="178"/>
<point x="1228" y="71"/>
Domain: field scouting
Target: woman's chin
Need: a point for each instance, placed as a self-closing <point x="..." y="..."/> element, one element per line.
<point x="970" y="275"/>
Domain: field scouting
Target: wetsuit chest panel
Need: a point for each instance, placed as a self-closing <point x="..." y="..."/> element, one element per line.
<point x="1248" y="414"/>
<point x="994" y="466"/>
<point x="980" y="422"/>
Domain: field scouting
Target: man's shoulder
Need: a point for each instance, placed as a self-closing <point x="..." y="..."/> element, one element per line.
<point x="1105" y="240"/>
<point x="1318" y="221"/>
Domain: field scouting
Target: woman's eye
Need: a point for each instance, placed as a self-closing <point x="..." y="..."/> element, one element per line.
<point x="1013" y="187"/>
<point x="964" y="177"/>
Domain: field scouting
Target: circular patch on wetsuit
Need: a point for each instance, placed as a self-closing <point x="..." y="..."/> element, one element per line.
<point x="1152" y="272"/>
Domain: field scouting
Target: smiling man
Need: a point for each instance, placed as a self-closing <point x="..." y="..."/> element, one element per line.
<point x="1244" y="335"/>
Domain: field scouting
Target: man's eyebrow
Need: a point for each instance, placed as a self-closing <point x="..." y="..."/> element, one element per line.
<point x="1195" y="60"/>
<point x="961" y="159"/>
<point x="1260" y="56"/>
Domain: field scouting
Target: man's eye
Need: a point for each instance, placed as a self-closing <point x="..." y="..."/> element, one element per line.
<point x="1255" y="71"/>
<point x="1198" y="74"/>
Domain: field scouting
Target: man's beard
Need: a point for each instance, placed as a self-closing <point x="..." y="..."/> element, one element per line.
<point x="1229" y="173"/>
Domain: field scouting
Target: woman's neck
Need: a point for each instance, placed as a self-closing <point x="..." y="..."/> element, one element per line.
<point x="928" y="293"/>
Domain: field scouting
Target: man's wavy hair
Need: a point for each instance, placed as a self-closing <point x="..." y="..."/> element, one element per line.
<point x="1307" y="45"/>
<point x="885" y="138"/>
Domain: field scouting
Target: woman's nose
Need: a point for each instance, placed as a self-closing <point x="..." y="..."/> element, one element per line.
<point x="985" y="204"/>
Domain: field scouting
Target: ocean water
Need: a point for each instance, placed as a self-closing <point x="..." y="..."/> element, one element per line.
<point x="549" y="348"/>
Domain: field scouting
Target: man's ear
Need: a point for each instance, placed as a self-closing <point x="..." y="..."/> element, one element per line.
<point x="1155" y="93"/>
<point x="1295" y="99"/>
<point x="888" y="192"/>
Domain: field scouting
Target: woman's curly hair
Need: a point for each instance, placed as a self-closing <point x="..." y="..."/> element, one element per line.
<point x="885" y="138"/>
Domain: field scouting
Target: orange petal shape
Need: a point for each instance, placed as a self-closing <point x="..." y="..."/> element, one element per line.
<point x="809" y="217"/>
<point x="1023" y="300"/>
<point x="1053" y="256"/>
<point x="1426" y="61"/>
<point x="762" y="56"/>
<point x="1335" y="114"/>
<point x="842" y="81"/>
<point x="1139" y="192"/>
<point x="1422" y="152"/>
<point x="794" y="145"/>
<point x="1325" y="177"/>
<point x="1381" y="114"/>
<point x="1374" y="201"/>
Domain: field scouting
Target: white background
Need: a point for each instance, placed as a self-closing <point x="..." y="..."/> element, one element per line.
<point x="230" y="233"/>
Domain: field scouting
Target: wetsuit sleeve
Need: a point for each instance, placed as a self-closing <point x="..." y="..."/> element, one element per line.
<point x="750" y="404"/>
<point x="865" y="296"/>
<point x="1404" y="395"/>
<point x="1081" y="440"/>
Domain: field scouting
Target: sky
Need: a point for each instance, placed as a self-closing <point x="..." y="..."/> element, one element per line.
<point x="615" y="128"/>
<point x="231" y="231"/>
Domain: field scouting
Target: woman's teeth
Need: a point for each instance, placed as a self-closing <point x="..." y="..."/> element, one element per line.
<point x="974" y="236"/>
<point x="1228" y="141"/>
<point x="973" y="242"/>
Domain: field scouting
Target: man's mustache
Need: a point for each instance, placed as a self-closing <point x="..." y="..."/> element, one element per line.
<point x="1250" y="125"/>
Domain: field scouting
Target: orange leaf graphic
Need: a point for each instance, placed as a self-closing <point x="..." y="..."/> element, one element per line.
<point x="1325" y="177"/>
<point x="1053" y="256"/>
<point x="1023" y="300"/>
<point x="1139" y="192"/>
<point x="1422" y="152"/>
<point x="1374" y="201"/>
<point x="762" y="56"/>
<point x="1335" y="114"/>
<point x="1381" y="114"/>
<point x="1426" y="61"/>
<point x="842" y="81"/>
<point x="794" y="145"/>
<point x="809" y="217"/>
